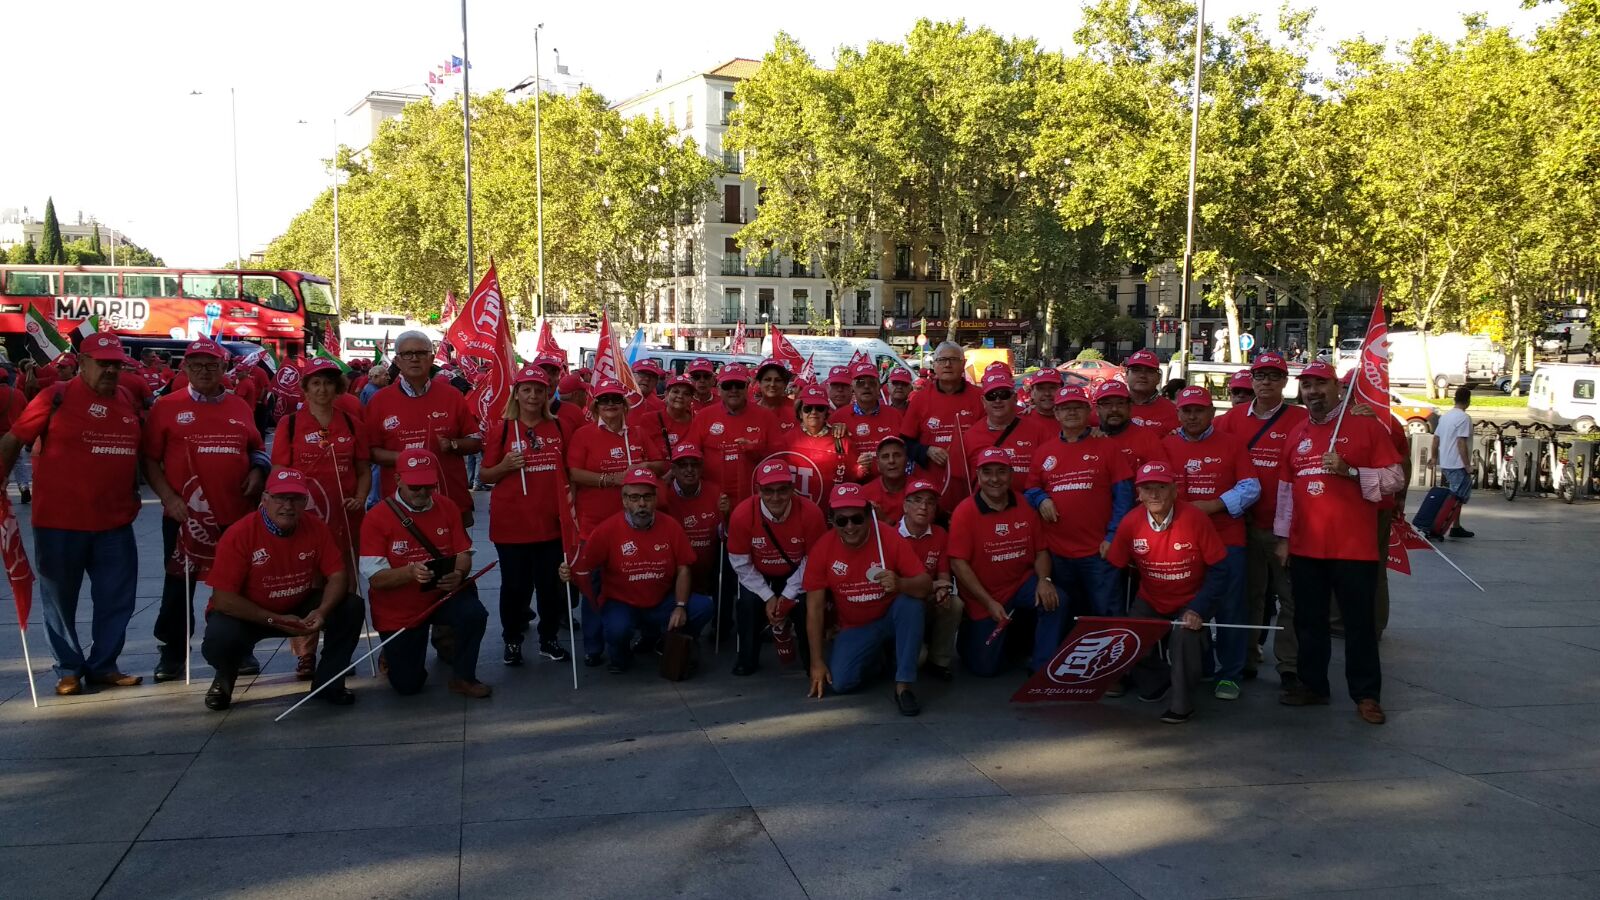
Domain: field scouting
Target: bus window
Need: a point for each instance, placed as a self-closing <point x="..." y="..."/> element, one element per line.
<point x="319" y="299"/>
<point x="31" y="284"/>
<point x="269" y="292"/>
<point x="149" y="285"/>
<point x="211" y="287"/>
<point x="80" y="284"/>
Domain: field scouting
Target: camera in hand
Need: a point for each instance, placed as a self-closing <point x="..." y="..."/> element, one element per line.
<point x="440" y="568"/>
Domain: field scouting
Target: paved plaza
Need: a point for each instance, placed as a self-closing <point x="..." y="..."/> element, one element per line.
<point x="1485" y="782"/>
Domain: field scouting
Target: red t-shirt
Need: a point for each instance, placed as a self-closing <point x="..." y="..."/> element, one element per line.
<point x="383" y="536"/>
<point x="1331" y="519"/>
<point x="1160" y="415"/>
<point x="700" y="519"/>
<point x="1078" y="477"/>
<point x="330" y="457"/>
<point x="783" y="414"/>
<point x="1022" y="440"/>
<point x="842" y="572"/>
<point x="573" y="416"/>
<point x="204" y="450"/>
<point x="798" y="531"/>
<point x="84" y="472"/>
<point x="667" y="430"/>
<point x="933" y="549"/>
<point x="12" y="403"/>
<point x="274" y="572"/>
<point x="1171" y="563"/>
<point x="890" y="505"/>
<point x="707" y="403"/>
<point x="934" y="419"/>
<point x="136" y="386"/>
<point x="596" y="449"/>
<point x="818" y="463"/>
<point x="715" y="430"/>
<point x="1138" y="446"/>
<point x="1000" y="545"/>
<point x="527" y="508"/>
<point x="397" y="421"/>
<point x="1266" y="453"/>
<point x="637" y="567"/>
<point x="862" y="432"/>
<point x="1209" y="468"/>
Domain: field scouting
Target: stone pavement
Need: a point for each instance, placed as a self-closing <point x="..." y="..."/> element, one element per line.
<point x="1485" y="782"/>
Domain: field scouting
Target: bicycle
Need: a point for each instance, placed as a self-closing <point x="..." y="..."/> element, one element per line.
<point x="1557" y="465"/>
<point x="1502" y="470"/>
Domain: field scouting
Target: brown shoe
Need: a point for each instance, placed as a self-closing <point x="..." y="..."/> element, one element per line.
<point x="477" y="690"/>
<point x="69" y="686"/>
<point x="306" y="667"/>
<point x="1370" y="712"/>
<point x="116" y="679"/>
<point x="1299" y="696"/>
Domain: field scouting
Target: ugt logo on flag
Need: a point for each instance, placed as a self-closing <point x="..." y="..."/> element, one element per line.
<point x="1092" y="658"/>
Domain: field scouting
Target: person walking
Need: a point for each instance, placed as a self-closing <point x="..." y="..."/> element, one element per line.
<point x="1452" y="440"/>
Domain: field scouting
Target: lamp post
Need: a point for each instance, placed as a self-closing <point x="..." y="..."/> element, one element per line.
<point x="1187" y="287"/>
<point x="233" y="114"/>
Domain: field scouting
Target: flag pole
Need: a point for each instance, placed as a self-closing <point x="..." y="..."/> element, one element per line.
<point x="366" y="620"/>
<point x="27" y="661"/>
<point x="466" y="131"/>
<point x="538" y="172"/>
<point x="188" y="619"/>
<point x="1450" y="562"/>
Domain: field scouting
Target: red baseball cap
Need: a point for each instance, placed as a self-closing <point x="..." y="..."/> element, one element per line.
<point x="417" y="468"/>
<point x="316" y="366"/>
<point x="550" y="360"/>
<point x="1145" y="358"/>
<point x="734" y="373"/>
<point x="993" y="456"/>
<point x="1111" y="388"/>
<point x="584" y="372"/>
<point x="920" y="485"/>
<point x="1240" y="380"/>
<point x="891" y="439"/>
<point x="774" y="472"/>
<point x="649" y="367"/>
<point x="1267" y="359"/>
<point x="1193" y="395"/>
<point x="863" y="370"/>
<point x="1045" y="376"/>
<point x="608" y="388"/>
<point x="102" y="346"/>
<point x="995" y="380"/>
<point x="1072" y="394"/>
<point x="205" y="347"/>
<point x="571" y="384"/>
<point x="898" y="375"/>
<point x="680" y="381"/>
<point x="771" y="363"/>
<point x="1318" y="369"/>
<point x="839" y="375"/>
<point x="701" y="365"/>
<point x="639" y="477"/>
<point x="1154" y="471"/>
<point x="532" y="374"/>
<point x="287" y="481"/>
<point x="813" y="395"/>
<point x="686" y="450"/>
<point x="847" y="496"/>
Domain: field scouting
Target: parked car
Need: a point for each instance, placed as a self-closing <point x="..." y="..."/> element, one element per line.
<point x="1094" y="370"/>
<point x="1564" y="394"/>
<point x="1503" y="383"/>
<point x="1418" y="418"/>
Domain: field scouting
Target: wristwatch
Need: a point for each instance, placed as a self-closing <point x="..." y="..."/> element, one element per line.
<point x="453" y="445"/>
<point x="271" y="621"/>
<point x="1355" y="473"/>
<point x="683" y="606"/>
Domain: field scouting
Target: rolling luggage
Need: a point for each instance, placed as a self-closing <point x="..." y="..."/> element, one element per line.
<point x="1438" y="512"/>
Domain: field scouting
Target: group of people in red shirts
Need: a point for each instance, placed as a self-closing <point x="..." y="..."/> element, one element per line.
<point x="862" y="528"/>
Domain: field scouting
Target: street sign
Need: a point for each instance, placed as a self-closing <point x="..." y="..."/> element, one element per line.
<point x="1247" y="341"/>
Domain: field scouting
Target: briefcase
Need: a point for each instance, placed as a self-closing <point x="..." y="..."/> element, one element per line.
<point x="679" y="654"/>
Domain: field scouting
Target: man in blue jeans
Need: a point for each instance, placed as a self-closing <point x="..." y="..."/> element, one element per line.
<point x="1452" y="439"/>
<point x="877" y="584"/>
<point x="85" y="435"/>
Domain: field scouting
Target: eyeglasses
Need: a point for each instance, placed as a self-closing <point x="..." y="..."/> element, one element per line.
<point x="609" y="400"/>
<point x="702" y="376"/>
<point x="637" y="498"/>
<point x="946" y="359"/>
<point x="414" y="354"/>
<point x="1269" y="375"/>
<point x="203" y="367"/>
<point x="921" y="498"/>
<point x="776" y="490"/>
<point x="996" y="396"/>
<point x="1242" y="392"/>
<point x="843" y="521"/>
<point x="732" y="385"/>
<point x="288" y="499"/>
<point x="820" y="410"/>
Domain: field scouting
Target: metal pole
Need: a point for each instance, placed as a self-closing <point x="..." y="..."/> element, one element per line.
<point x="113" y="245"/>
<point x="538" y="166"/>
<point x="466" y="131"/>
<point x="238" y="240"/>
<point x="1187" y="288"/>
<point x="336" y="213"/>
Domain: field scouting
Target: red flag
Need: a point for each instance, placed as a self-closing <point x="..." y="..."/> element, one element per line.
<point x="1371" y="382"/>
<point x="860" y="356"/>
<point x="18" y="572"/>
<point x="547" y="340"/>
<point x="808" y="372"/>
<point x="736" y="344"/>
<point x="609" y="361"/>
<point x="286" y="384"/>
<point x="481" y="332"/>
<point x="452" y="308"/>
<point x="1399" y="560"/>
<point x="1409" y="536"/>
<point x="1096" y="653"/>
<point x="784" y="352"/>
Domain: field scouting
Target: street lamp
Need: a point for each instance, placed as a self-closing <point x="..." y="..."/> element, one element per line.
<point x="233" y="113"/>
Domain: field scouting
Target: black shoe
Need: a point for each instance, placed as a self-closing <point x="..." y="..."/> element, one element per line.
<point x="27" y="495"/>
<point x="1249" y="674"/>
<point x="553" y="651"/>
<point x="616" y="668"/>
<point x="1459" y="532"/>
<point x="1172" y="718"/>
<point x="250" y="666"/>
<point x="513" y="655"/>
<point x="339" y="696"/>
<point x="1289" y="680"/>
<point x="170" y="668"/>
<point x="943" y="673"/>
<point x="907" y="702"/>
<point x="593" y="659"/>
<point x="220" y="695"/>
<point x="1156" y="695"/>
<point x="1117" y="690"/>
<point x="743" y="668"/>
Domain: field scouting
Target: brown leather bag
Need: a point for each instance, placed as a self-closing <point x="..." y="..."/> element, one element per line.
<point x="679" y="656"/>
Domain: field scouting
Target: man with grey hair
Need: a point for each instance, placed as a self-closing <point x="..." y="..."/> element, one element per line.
<point x="422" y="411"/>
<point x="933" y="423"/>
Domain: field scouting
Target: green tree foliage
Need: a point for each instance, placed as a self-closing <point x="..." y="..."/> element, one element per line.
<point x="50" y="250"/>
<point x="23" y="254"/>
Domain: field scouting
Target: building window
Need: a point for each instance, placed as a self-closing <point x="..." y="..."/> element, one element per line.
<point x="727" y="106"/>
<point x="688" y="111"/>
<point x="672" y="115"/>
<point x="864" y="308"/>
<point x="1140" y="311"/>
<point x="731" y="212"/>
<point x="934" y="305"/>
<point x="764" y="298"/>
<point x="1111" y="296"/>
<point x="935" y="265"/>
<point x="672" y="305"/>
<point x="800" y="306"/>
<point x="732" y="304"/>
<point x="827" y="304"/>
<point x="902" y="303"/>
<point x="902" y="261"/>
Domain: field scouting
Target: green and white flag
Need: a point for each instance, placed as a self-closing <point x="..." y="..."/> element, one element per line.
<point x="322" y="353"/>
<point x="87" y="327"/>
<point x="44" y="334"/>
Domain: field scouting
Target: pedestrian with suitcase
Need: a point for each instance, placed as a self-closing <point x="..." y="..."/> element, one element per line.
<point x="1452" y="439"/>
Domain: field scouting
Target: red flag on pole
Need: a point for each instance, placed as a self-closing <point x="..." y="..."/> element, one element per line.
<point x="481" y="332"/>
<point x="15" y="557"/>
<point x="547" y="340"/>
<point x="860" y="356"/>
<point x="808" y="372"/>
<point x="609" y="361"/>
<point x="1371" y="382"/>
<point x="286" y="384"/>
<point x="784" y="352"/>
<point x="1399" y="559"/>
<point x="736" y="344"/>
<point x="1096" y="654"/>
<point x="452" y="308"/>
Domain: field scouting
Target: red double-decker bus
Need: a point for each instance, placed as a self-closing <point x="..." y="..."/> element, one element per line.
<point x="290" y="311"/>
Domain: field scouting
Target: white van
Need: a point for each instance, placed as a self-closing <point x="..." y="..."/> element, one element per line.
<point x="1457" y="359"/>
<point x="1564" y="394"/>
<point x="827" y="352"/>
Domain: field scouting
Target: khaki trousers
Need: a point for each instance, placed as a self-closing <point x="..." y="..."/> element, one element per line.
<point x="1263" y="573"/>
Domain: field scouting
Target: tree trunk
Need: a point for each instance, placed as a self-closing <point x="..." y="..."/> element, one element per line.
<point x="1230" y="306"/>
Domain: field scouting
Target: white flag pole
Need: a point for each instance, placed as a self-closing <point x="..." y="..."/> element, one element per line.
<point x="188" y="620"/>
<point x="355" y="556"/>
<point x="1179" y="622"/>
<point x="1449" y="561"/>
<point x="27" y="661"/>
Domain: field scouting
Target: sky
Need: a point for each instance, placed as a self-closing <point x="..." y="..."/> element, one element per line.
<point x="108" y="120"/>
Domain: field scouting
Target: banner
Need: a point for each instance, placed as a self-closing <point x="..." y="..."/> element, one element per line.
<point x="736" y="343"/>
<point x="286" y="384"/>
<point x="480" y="331"/>
<point x="547" y="341"/>
<point x="1402" y="539"/>
<point x="784" y="352"/>
<point x="808" y="372"/>
<point x="1094" y="656"/>
<point x="1371" y="382"/>
<point x="45" y="336"/>
<point x="609" y="361"/>
<point x="15" y="558"/>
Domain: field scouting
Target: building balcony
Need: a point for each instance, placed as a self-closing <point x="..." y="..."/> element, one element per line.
<point x="800" y="315"/>
<point x="766" y="268"/>
<point x="732" y="314"/>
<point x="685" y="266"/>
<point x="732" y="265"/>
<point x="903" y="275"/>
<point x="801" y="270"/>
<point x="865" y="317"/>
<point x="732" y="164"/>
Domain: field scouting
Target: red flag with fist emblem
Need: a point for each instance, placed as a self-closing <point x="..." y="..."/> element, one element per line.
<point x="1094" y="656"/>
<point x="1371" y="382"/>
<point x="480" y="332"/>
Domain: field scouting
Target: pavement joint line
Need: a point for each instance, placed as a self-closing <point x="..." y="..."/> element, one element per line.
<point x="613" y="815"/>
<point x="1588" y="826"/>
<point x="1029" y="810"/>
<point x="299" y="832"/>
<point x="1445" y="773"/>
<point x="1488" y="880"/>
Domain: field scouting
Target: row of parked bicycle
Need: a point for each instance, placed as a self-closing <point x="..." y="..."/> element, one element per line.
<point x="1534" y="459"/>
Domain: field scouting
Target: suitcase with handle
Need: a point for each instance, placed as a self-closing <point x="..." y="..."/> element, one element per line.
<point x="1438" y="512"/>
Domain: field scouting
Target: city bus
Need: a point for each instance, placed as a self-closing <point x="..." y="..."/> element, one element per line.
<point x="292" y="312"/>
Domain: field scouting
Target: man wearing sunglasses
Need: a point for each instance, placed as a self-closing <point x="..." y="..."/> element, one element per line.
<point x="704" y="377"/>
<point x="936" y="419"/>
<point x="768" y="539"/>
<point x="877" y="584"/>
<point x="866" y="420"/>
<point x="1003" y="428"/>
<point x="1241" y="389"/>
<point x="734" y="435"/>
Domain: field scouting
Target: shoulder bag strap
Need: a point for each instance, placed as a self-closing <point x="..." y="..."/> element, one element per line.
<point x="409" y="525"/>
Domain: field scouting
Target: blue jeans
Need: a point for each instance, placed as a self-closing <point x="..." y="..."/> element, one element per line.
<point x="621" y="620"/>
<point x="1459" y="481"/>
<point x="407" y="655"/>
<point x="1088" y="585"/>
<point x="472" y="467"/>
<point x="855" y="648"/>
<point x="987" y="660"/>
<point x="1232" y="643"/>
<point x="373" y="496"/>
<point x="111" y="560"/>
